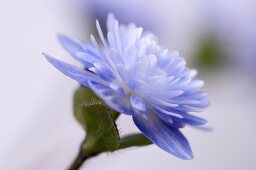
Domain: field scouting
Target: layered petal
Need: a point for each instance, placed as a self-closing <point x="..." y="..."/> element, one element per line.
<point x="166" y="137"/>
<point x="113" y="99"/>
<point x="70" y="45"/>
<point x="82" y="76"/>
<point x="134" y="75"/>
<point x="81" y="51"/>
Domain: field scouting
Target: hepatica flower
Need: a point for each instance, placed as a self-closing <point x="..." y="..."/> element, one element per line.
<point x="135" y="76"/>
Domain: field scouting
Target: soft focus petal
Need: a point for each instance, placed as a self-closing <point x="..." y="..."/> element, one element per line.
<point x="80" y="50"/>
<point x="134" y="75"/>
<point x="70" y="45"/>
<point x="112" y="98"/>
<point x="192" y="120"/>
<point x="167" y="138"/>
<point x="138" y="104"/>
<point x="102" y="71"/>
<point x="82" y="76"/>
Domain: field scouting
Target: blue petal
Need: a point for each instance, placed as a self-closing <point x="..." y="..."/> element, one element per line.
<point x="192" y="120"/>
<point x="126" y="76"/>
<point x="186" y="119"/>
<point x="177" y="124"/>
<point x="101" y="34"/>
<point x="82" y="76"/>
<point x="70" y="45"/>
<point x="165" y="114"/>
<point x="84" y="53"/>
<point x="112" y="98"/>
<point x="138" y="104"/>
<point x="103" y="71"/>
<point x="167" y="138"/>
<point x="161" y="111"/>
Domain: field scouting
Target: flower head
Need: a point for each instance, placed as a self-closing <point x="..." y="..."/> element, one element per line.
<point x="135" y="76"/>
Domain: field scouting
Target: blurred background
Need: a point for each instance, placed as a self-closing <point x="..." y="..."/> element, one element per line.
<point x="37" y="128"/>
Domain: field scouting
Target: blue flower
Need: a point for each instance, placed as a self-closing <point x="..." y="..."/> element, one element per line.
<point x="135" y="76"/>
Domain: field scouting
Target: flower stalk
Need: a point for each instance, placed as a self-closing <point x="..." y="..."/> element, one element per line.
<point x="80" y="159"/>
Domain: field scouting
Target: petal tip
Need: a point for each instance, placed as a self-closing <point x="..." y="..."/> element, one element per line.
<point x="61" y="37"/>
<point x="49" y="58"/>
<point x="187" y="157"/>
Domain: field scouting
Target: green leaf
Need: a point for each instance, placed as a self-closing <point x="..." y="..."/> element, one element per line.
<point x="134" y="140"/>
<point x="97" y="120"/>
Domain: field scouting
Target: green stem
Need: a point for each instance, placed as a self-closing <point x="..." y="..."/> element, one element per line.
<point x="80" y="158"/>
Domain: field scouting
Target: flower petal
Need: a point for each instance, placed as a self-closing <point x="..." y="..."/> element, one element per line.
<point x="168" y="114"/>
<point x="103" y="71"/>
<point x="167" y="138"/>
<point x="101" y="34"/>
<point x="82" y="76"/>
<point x="84" y="53"/>
<point x="161" y="111"/>
<point x="138" y="104"/>
<point x="112" y="98"/>
<point x="192" y="120"/>
<point x="70" y="45"/>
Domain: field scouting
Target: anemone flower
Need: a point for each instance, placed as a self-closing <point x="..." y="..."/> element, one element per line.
<point x="135" y="76"/>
